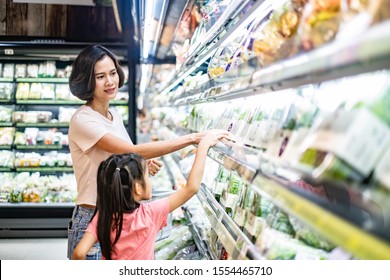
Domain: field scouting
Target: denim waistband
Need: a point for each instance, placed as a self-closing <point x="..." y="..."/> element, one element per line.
<point x="82" y="209"/>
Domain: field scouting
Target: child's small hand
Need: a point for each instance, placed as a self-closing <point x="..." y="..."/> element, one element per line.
<point x="212" y="137"/>
<point x="154" y="166"/>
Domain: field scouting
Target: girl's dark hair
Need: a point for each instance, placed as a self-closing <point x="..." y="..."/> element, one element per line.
<point x="116" y="180"/>
<point x="82" y="78"/>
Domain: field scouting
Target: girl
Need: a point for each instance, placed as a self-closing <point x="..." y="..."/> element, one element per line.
<point x="96" y="132"/>
<point x="125" y="227"/>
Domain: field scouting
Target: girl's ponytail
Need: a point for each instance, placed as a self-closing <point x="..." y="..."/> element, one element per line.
<point x="117" y="176"/>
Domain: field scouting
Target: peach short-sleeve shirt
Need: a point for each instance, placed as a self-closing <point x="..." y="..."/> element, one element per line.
<point x="86" y="128"/>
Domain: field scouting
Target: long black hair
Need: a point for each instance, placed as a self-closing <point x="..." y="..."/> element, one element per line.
<point x="116" y="180"/>
<point x="82" y="78"/>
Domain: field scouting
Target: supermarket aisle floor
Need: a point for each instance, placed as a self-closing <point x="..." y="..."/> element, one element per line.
<point x="33" y="249"/>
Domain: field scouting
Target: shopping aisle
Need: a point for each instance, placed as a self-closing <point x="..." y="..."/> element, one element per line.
<point x="33" y="249"/>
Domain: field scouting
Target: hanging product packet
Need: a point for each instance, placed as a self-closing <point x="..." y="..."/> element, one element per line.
<point x="240" y="214"/>
<point x="348" y="144"/>
<point x="273" y="38"/>
<point x="221" y="182"/>
<point x="357" y="16"/>
<point x="230" y="195"/>
<point x="319" y="24"/>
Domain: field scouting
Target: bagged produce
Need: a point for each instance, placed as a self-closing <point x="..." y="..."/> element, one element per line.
<point x="231" y="194"/>
<point x="309" y="237"/>
<point x="280" y="221"/>
<point x="188" y="253"/>
<point x="170" y="249"/>
<point x="175" y="233"/>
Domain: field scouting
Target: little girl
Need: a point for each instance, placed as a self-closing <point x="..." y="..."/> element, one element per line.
<point x="126" y="228"/>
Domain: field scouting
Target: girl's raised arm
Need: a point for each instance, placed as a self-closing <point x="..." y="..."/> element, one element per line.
<point x="195" y="178"/>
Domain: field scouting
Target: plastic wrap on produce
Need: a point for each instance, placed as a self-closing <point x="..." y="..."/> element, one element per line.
<point x="309" y="237"/>
<point x="168" y="248"/>
<point x="188" y="253"/>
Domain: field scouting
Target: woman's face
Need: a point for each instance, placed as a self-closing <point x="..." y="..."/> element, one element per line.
<point x="106" y="80"/>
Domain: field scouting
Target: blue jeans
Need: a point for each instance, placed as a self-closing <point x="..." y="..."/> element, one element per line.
<point x="77" y="225"/>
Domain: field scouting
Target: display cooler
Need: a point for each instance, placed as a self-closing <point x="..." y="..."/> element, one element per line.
<point x="304" y="88"/>
<point x="38" y="187"/>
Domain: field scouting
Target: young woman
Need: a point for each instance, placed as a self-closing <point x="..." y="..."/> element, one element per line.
<point x="96" y="132"/>
<point x="126" y="228"/>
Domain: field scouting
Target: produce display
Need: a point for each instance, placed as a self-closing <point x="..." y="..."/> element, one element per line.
<point x="6" y="91"/>
<point x="298" y="135"/>
<point x="286" y="127"/>
<point x="168" y="248"/>
<point x="34" y="187"/>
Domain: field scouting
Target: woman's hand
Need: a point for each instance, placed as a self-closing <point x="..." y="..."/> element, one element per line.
<point x="154" y="166"/>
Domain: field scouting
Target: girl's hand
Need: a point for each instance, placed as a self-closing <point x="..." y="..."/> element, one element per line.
<point x="154" y="166"/>
<point x="212" y="137"/>
<point x="200" y="135"/>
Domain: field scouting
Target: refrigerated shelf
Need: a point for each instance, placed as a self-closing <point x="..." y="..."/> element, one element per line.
<point x="234" y="240"/>
<point x="207" y="47"/>
<point x="341" y="58"/>
<point x="338" y="223"/>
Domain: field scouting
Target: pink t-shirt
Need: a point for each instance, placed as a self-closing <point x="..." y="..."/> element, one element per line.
<point x="139" y="231"/>
<point x="86" y="128"/>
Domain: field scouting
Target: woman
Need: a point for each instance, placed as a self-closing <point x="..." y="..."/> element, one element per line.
<point x="96" y="132"/>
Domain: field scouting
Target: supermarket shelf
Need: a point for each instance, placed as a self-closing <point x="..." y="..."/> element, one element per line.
<point x="238" y="158"/>
<point x="226" y="228"/>
<point x="234" y="157"/>
<point x="365" y="53"/>
<point x="200" y="244"/>
<point x="6" y="124"/>
<point x="48" y="102"/>
<point x="234" y="240"/>
<point x="42" y="80"/>
<point x="327" y="222"/>
<point x="63" y="102"/>
<point x="37" y="169"/>
<point x="6" y="102"/>
<point x="44" y="169"/>
<point x="54" y="124"/>
<point x="216" y="29"/>
<point x="29" y="219"/>
<point x="5" y="169"/>
<point x="207" y="48"/>
<point x="355" y="226"/>
<point x="6" y="80"/>
<point x="5" y="147"/>
<point x="40" y="147"/>
<point x="342" y="220"/>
